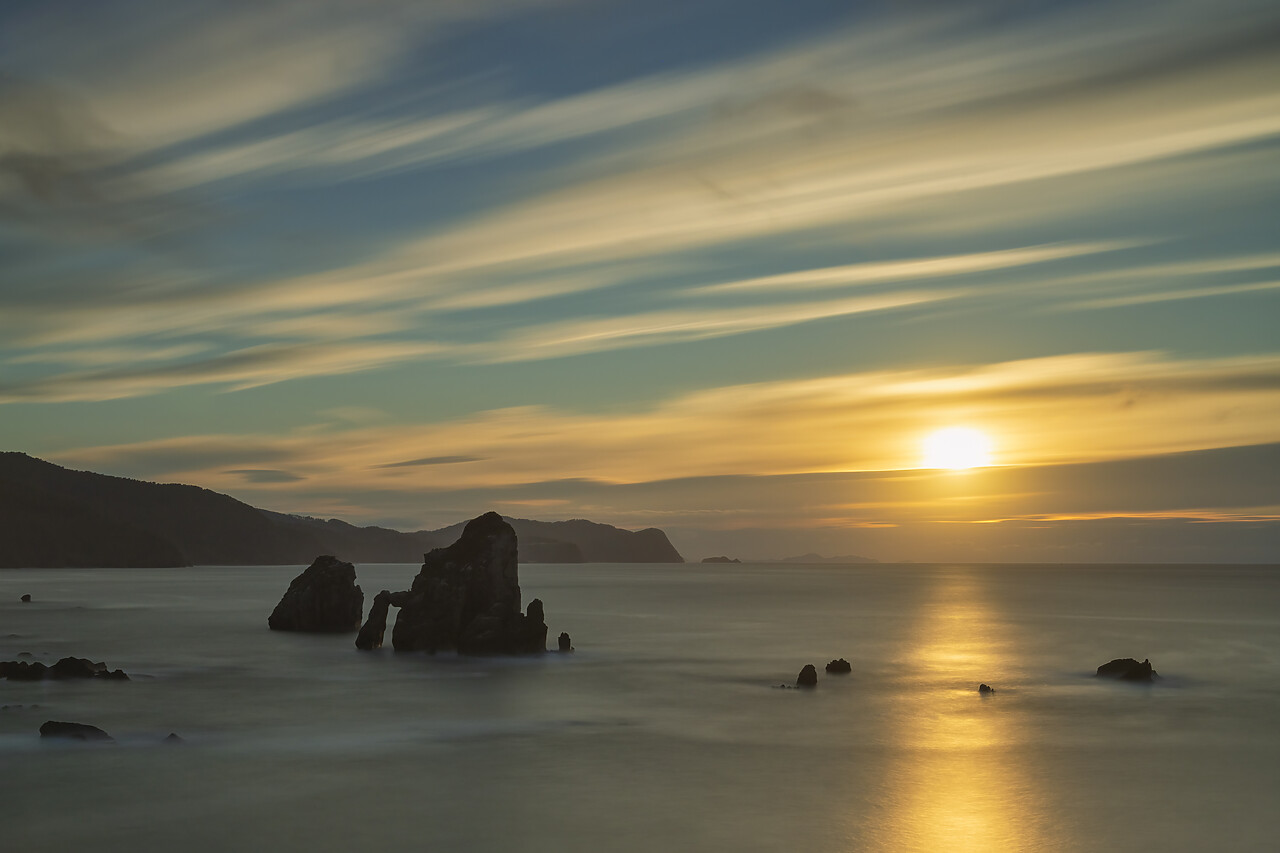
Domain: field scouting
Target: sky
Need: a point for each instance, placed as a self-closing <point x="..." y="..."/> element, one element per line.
<point x="715" y="267"/>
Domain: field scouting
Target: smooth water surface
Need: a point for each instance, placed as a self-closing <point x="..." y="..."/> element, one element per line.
<point x="666" y="729"/>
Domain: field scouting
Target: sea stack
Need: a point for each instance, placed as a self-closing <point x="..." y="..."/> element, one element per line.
<point x="467" y="598"/>
<point x="808" y="676"/>
<point x="1128" y="669"/>
<point x="324" y="598"/>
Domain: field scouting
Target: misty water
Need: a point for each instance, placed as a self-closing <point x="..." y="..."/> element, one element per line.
<point x="665" y="730"/>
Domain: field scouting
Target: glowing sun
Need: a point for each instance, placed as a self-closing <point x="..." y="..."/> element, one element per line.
<point x="956" y="447"/>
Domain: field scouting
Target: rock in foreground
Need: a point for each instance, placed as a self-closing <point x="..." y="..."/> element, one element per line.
<point x="1128" y="669"/>
<point x="467" y="598"/>
<point x="324" y="598"/>
<point x="73" y="731"/>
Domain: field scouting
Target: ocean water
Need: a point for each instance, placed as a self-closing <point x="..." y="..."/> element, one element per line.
<point x="666" y="729"/>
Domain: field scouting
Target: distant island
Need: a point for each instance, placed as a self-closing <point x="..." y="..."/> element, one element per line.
<point x="53" y="517"/>
<point x="720" y="560"/>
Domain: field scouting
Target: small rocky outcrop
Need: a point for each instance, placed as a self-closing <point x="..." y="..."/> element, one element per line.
<point x="839" y="667"/>
<point x="808" y="676"/>
<point x="324" y="598"/>
<point x="173" y="739"/>
<point x="73" y="731"/>
<point x="986" y="689"/>
<point x="564" y="643"/>
<point x="27" y="598"/>
<point x="720" y="560"/>
<point x="68" y="667"/>
<point x="375" y="627"/>
<point x="1128" y="669"/>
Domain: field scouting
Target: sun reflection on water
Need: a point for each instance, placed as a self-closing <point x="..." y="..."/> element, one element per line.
<point x="957" y="782"/>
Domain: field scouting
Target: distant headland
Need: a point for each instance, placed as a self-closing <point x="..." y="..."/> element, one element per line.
<point x="53" y="517"/>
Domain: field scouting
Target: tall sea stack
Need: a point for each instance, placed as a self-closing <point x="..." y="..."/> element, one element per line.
<point x="467" y="598"/>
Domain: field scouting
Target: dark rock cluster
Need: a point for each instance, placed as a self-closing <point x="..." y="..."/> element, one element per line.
<point x="1128" y="669"/>
<point x="68" y="667"/>
<point x="324" y="598"/>
<point x="839" y="666"/>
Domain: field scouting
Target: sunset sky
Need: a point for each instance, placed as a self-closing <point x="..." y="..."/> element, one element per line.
<point x="715" y="267"/>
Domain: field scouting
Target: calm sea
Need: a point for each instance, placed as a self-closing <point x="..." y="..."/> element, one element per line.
<point x="665" y="730"/>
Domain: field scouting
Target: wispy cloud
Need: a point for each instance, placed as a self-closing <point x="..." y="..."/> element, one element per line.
<point x="1065" y="409"/>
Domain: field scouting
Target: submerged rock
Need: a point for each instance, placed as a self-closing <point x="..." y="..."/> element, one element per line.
<point x="68" y="667"/>
<point x="375" y="627"/>
<point x="1128" y="669"/>
<point x="73" y="731"/>
<point x="839" y="667"/>
<point x="467" y="598"/>
<point x="324" y="598"/>
<point x="808" y="676"/>
<point x="173" y="739"/>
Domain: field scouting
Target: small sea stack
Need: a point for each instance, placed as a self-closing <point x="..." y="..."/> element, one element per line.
<point x="564" y="643"/>
<point x="808" y="676"/>
<point x="1128" y="669"/>
<point x="986" y="689"/>
<point x="26" y="599"/>
<point x="323" y="599"/>
<point x="839" y="666"/>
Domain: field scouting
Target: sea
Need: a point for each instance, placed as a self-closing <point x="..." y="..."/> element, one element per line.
<point x="672" y="726"/>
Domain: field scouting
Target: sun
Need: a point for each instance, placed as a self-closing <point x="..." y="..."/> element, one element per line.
<point x="956" y="448"/>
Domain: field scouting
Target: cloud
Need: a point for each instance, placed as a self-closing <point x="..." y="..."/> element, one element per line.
<point x="266" y="475"/>
<point x="240" y="369"/>
<point x="1057" y="410"/>
<point x="430" y="460"/>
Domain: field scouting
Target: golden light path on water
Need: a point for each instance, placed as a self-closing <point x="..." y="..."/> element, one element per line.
<point x="958" y="781"/>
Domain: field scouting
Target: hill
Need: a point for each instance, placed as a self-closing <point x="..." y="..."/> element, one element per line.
<point x="55" y="517"/>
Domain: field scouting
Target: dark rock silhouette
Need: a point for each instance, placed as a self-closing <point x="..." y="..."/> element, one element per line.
<point x="68" y="667"/>
<point x="26" y="597"/>
<point x="986" y="689"/>
<point x="467" y="597"/>
<point x="1128" y="669"/>
<point x="73" y="731"/>
<point x="808" y="676"/>
<point x="173" y="739"/>
<point x="324" y="598"/>
<point x="375" y="627"/>
<point x="720" y="560"/>
<point x="839" y="667"/>
<point x="564" y="643"/>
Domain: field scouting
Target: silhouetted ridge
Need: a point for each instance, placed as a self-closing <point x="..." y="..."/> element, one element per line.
<point x="52" y="516"/>
<point x="89" y="519"/>
<point x="596" y="542"/>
